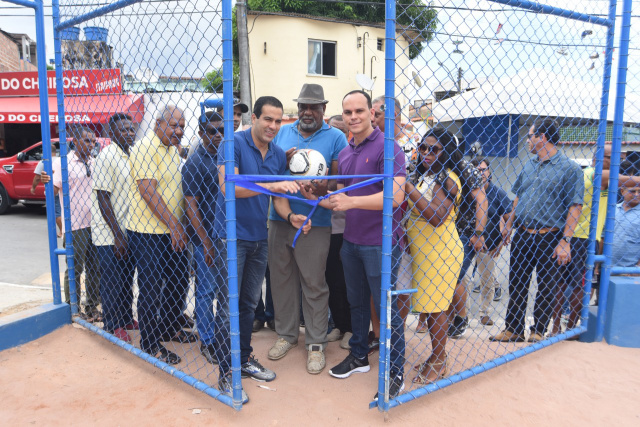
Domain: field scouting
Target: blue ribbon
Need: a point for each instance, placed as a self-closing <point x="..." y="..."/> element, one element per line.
<point x="246" y="181"/>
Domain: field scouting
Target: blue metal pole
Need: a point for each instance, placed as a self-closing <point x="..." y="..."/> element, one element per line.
<point x="230" y="201"/>
<point x="599" y="156"/>
<point x="387" y="207"/>
<point x="193" y="382"/>
<point x="550" y="10"/>
<point x="46" y="149"/>
<point x="624" y="270"/>
<point x="94" y="14"/>
<point x="25" y="3"/>
<point x="73" y="297"/>
<point x="616" y="144"/>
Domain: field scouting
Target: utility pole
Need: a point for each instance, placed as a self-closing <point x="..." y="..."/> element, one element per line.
<point x="460" y="80"/>
<point x="243" y="58"/>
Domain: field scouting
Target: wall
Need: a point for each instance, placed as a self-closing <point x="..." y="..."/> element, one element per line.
<point x="282" y="70"/>
<point x="10" y="56"/>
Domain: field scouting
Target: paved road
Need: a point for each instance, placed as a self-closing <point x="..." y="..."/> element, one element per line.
<point x="25" y="272"/>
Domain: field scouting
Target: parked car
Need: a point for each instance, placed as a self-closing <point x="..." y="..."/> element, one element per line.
<point x="16" y="176"/>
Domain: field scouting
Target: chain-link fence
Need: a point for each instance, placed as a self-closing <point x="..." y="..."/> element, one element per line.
<point x="496" y="116"/>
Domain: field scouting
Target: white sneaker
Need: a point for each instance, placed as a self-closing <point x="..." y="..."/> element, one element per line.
<point x="315" y="359"/>
<point x="334" y="335"/>
<point x="345" y="341"/>
<point x="280" y="349"/>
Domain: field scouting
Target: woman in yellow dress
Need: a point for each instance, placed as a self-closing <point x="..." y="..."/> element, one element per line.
<point x="434" y="195"/>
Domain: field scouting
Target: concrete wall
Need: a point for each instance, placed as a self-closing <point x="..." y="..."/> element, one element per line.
<point x="282" y="70"/>
<point x="10" y="56"/>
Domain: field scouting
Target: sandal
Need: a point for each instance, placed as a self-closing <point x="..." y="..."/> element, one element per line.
<point x="422" y="328"/>
<point x="184" y="337"/>
<point x="166" y="356"/>
<point x="439" y="368"/>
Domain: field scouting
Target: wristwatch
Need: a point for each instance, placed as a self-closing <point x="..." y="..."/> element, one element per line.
<point x="566" y="239"/>
<point x="479" y="233"/>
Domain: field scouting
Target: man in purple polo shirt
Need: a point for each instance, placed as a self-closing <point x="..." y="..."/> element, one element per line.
<point x="362" y="247"/>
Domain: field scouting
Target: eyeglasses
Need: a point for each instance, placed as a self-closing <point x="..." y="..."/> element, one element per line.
<point x="213" y="131"/>
<point x="483" y="169"/>
<point x="427" y="149"/>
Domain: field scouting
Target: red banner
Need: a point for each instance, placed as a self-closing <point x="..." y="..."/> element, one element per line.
<point x="76" y="82"/>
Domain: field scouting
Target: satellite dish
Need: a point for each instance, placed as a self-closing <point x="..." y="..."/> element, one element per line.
<point x="416" y="79"/>
<point x="365" y="82"/>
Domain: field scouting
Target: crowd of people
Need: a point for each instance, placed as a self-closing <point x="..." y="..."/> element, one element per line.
<point x="154" y="208"/>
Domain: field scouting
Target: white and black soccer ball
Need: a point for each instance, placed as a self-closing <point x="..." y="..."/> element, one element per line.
<point x="307" y="162"/>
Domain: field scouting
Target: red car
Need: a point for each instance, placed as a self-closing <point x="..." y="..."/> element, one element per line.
<point x="16" y="176"/>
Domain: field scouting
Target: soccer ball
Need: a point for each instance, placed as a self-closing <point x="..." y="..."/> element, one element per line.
<point x="307" y="162"/>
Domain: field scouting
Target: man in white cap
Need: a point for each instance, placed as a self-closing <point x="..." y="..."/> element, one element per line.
<point x="300" y="271"/>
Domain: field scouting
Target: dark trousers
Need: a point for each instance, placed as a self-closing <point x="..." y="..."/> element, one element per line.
<point x="116" y="288"/>
<point x="264" y="310"/>
<point x="529" y="252"/>
<point x="163" y="280"/>
<point x="334" y="275"/>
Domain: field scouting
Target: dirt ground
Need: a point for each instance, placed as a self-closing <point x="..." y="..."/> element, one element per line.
<point x="73" y="377"/>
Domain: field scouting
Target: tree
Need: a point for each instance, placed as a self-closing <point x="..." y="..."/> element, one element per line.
<point x="415" y="14"/>
<point x="213" y="79"/>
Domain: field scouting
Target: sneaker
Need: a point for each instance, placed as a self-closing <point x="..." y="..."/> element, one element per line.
<point x="345" y="341"/>
<point x="209" y="353"/>
<point x="122" y="334"/>
<point x="498" y="295"/>
<point x="280" y="349"/>
<point x="486" y="321"/>
<point x="257" y="325"/>
<point x="458" y="327"/>
<point x="225" y="387"/>
<point x="349" y="366"/>
<point x="395" y="386"/>
<point x="271" y="324"/>
<point x="315" y="359"/>
<point x="334" y="335"/>
<point x="476" y="290"/>
<point x="254" y="370"/>
<point x="374" y="345"/>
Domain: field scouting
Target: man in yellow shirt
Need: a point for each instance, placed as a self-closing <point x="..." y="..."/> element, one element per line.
<point x="157" y="237"/>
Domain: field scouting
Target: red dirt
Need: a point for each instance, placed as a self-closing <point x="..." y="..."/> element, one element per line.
<point x="74" y="377"/>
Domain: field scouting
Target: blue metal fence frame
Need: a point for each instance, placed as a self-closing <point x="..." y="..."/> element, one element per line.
<point x="385" y="404"/>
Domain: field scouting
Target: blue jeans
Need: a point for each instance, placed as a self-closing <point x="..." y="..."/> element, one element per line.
<point x="163" y="280"/>
<point x="264" y="310"/>
<point x="116" y="288"/>
<point x="362" y="272"/>
<point x="469" y="254"/>
<point x="210" y="285"/>
<point x="252" y="266"/>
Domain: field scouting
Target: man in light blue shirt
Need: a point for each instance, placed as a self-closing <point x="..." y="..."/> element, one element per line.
<point x="303" y="268"/>
<point x="626" y="234"/>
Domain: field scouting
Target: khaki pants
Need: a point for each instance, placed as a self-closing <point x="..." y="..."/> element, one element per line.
<point x="296" y="269"/>
<point x="85" y="259"/>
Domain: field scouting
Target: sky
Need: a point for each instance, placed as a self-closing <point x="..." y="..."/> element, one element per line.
<point x="182" y="38"/>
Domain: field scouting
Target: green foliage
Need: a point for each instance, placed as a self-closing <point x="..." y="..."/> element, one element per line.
<point x="412" y="13"/>
<point x="213" y="79"/>
<point x="50" y="67"/>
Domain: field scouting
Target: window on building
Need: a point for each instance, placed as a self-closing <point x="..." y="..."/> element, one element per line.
<point x="322" y="58"/>
<point x="381" y="44"/>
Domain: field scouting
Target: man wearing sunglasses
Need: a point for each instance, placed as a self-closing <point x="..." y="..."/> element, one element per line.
<point x="200" y="188"/>
<point x="80" y="167"/>
<point x="549" y="196"/>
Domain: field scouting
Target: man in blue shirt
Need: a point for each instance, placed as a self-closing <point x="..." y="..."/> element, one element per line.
<point x="200" y="189"/>
<point x="549" y="196"/>
<point x="254" y="154"/>
<point x="303" y="268"/>
<point x="626" y="234"/>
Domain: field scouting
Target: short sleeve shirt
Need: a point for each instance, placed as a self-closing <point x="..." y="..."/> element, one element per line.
<point x="251" y="212"/>
<point x="364" y="227"/>
<point x="582" y="228"/>
<point x="329" y="142"/>
<point x="626" y="237"/>
<point x="152" y="160"/>
<point x="80" y="188"/>
<point x="200" y="180"/>
<point x="546" y="190"/>
<point x="111" y="173"/>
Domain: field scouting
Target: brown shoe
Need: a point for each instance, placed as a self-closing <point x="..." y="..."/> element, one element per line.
<point x="535" y="337"/>
<point x="486" y="321"/>
<point x="507" y="336"/>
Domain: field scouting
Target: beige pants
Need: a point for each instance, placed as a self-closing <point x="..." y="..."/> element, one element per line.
<point x="486" y="265"/>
